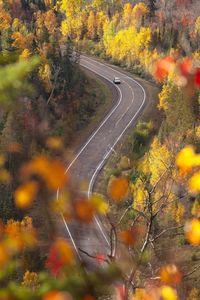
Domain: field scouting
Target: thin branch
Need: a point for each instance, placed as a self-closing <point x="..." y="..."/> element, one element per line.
<point x="153" y="188"/>
<point x="165" y="230"/>
<point x="124" y="213"/>
<point x="194" y="270"/>
<point x="113" y="239"/>
<point x="90" y="255"/>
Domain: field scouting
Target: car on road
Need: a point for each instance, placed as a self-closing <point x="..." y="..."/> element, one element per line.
<point x="116" y="80"/>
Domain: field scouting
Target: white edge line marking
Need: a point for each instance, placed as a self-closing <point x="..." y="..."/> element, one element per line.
<point x="99" y="167"/>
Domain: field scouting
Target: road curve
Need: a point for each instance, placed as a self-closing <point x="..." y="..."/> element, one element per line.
<point x="130" y="99"/>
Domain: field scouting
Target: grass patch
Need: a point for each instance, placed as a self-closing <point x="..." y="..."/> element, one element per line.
<point x="104" y="99"/>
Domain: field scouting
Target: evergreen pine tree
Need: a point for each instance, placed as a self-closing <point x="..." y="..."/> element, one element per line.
<point x="7" y="41"/>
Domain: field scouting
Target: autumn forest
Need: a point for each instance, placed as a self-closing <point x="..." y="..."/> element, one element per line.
<point x="58" y="60"/>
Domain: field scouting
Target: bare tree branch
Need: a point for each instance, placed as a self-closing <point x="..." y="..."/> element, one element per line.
<point x="191" y="272"/>
<point x="165" y="230"/>
<point x="90" y="255"/>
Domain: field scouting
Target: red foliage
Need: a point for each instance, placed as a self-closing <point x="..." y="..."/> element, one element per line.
<point x="197" y="78"/>
<point x="186" y="20"/>
<point x="100" y="258"/>
<point x="54" y="263"/>
<point x="162" y="67"/>
<point x="122" y="291"/>
<point x="186" y="66"/>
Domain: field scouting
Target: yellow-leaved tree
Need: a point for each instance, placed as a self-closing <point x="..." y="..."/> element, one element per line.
<point x="72" y="11"/>
<point x="91" y="25"/>
<point x="139" y="12"/>
<point x="5" y="19"/>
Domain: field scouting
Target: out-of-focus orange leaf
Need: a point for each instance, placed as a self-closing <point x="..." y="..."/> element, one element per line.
<point x="84" y="210"/>
<point x="192" y="231"/>
<point x="162" y="67"/>
<point x="118" y="188"/>
<point x="197" y="78"/>
<point x="168" y="293"/>
<point x="186" y="66"/>
<point x="57" y="295"/>
<point x="52" y="171"/>
<point x="100" y="258"/>
<point x="3" y="255"/>
<point x="14" y="147"/>
<point x="127" y="237"/>
<point x="54" y="143"/>
<point x="65" y="252"/>
<point x="170" y="274"/>
<point x="60" y="255"/>
<point x="25" y="194"/>
<point x="56" y="177"/>
<point x="5" y="176"/>
<point x="131" y="236"/>
<point x="194" y="183"/>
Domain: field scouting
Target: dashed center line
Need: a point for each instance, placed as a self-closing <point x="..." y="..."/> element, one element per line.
<point x="132" y="100"/>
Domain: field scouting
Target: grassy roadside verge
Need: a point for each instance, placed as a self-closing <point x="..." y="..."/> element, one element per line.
<point x="104" y="98"/>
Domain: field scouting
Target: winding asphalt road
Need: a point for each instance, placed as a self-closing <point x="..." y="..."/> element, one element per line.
<point x="130" y="99"/>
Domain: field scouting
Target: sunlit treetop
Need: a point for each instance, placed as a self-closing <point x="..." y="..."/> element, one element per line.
<point x="70" y="8"/>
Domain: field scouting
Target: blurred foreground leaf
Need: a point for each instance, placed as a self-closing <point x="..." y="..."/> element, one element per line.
<point x="13" y="81"/>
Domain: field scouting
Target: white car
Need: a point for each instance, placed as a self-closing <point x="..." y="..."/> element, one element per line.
<point x="116" y="80"/>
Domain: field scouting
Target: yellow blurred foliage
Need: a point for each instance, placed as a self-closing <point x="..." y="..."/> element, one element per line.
<point x="186" y="159"/>
<point x="54" y="143"/>
<point x="196" y="208"/>
<point x="194" y="183"/>
<point x="168" y="293"/>
<point x="52" y="171"/>
<point x="30" y="279"/>
<point x="156" y="293"/>
<point x="25" y="194"/>
<point x="5" y="176"/>
<point x="192" y="231"/>
<point x="99" y="204"/>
